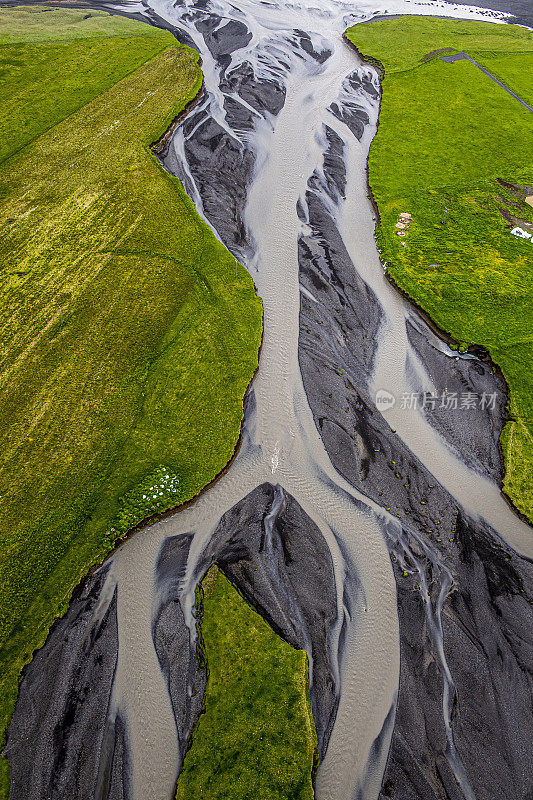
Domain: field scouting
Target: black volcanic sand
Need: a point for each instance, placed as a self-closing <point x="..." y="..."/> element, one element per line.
<point x="60" y="741"/>
<point x="522" y="10"/>
<point x="487" y="609"/>
<point x="487" y="614"/>
<point x="182" y="666"/>
<point x="65" y="739"/>
<point x="221" y="166"/>
<point x="276" y="557"/>
<point x="278" y="560"/>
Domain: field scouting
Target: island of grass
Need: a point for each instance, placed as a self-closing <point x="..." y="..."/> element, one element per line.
<point x="451" y="172"/>
<point x="128" y="332"/>
<point x="256" y="738"/>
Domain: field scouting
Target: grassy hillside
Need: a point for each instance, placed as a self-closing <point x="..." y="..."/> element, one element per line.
<point x="128" y="334"/>
<point x="257" y="738"/>
<point x="456" y="151"/>
<point x="39" y="24"/>
<point x="53" y="61"/>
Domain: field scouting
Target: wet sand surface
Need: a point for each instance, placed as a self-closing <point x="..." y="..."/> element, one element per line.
<point x="521" y="11"/>
<point x="420" y="665"/>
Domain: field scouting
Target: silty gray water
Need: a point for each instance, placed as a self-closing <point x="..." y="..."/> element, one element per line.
<point x="300" y="142"/>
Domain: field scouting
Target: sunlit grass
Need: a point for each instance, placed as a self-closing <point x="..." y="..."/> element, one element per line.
<point x="54" y="61"/>
<point x="257" y="737"/>
<point x="447" y="134"/>
<point x="128" y="334"/>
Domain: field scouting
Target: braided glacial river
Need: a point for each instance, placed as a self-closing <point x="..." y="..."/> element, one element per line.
<point x="274" y="158"/>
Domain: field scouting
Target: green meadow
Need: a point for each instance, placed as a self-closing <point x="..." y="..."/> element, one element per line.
<point x="128" y="333"/>
<point x="54" y="61"/>
<point x="256" y="738"/>
<point x="455" y="151"/>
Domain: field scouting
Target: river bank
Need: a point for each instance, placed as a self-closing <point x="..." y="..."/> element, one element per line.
<point x="326" y="493"/>
<point x="97" y="297"/>
<point x="475" y="291"/>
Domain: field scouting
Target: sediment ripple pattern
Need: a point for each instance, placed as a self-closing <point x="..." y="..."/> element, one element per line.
<point x="420" y="670"/>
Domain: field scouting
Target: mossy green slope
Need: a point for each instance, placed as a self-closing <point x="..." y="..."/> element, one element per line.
<point x="448" y="135"/>
<point x="40" y="23"/>
<point x="128" y="334"/>
<point x="53" y="61"/>
<point x="257" y="737"/>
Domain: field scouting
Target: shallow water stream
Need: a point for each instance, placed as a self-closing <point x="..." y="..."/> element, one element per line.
<point x="295" y="111"/>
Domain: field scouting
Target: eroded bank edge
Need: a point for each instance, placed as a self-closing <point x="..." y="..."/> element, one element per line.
<point x="476" y="350"/>
<point x="76" y="588"/>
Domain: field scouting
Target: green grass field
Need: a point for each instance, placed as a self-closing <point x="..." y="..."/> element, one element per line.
<point x="257" y="737"/>
<point x="128" y="333"/>
<point x="68" y="53"/>
<point x="448" y="135"/>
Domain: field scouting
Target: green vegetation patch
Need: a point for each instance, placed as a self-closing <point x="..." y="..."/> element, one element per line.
<point x="256" y="738"/>
<point x="455" y="151"/>
<point x="128" y="332"/>
<point x="156" y="493"/>
<point x="53" y="62"/>
<point x="401" y="44"/>
<point x="38" y="24"/>
<point x="513" y="72"/>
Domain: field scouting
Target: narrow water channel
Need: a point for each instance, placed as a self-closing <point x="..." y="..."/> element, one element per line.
<point x="274" y="158"/>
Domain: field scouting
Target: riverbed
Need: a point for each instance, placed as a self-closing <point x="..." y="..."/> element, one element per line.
<point x="418" y="669"/>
